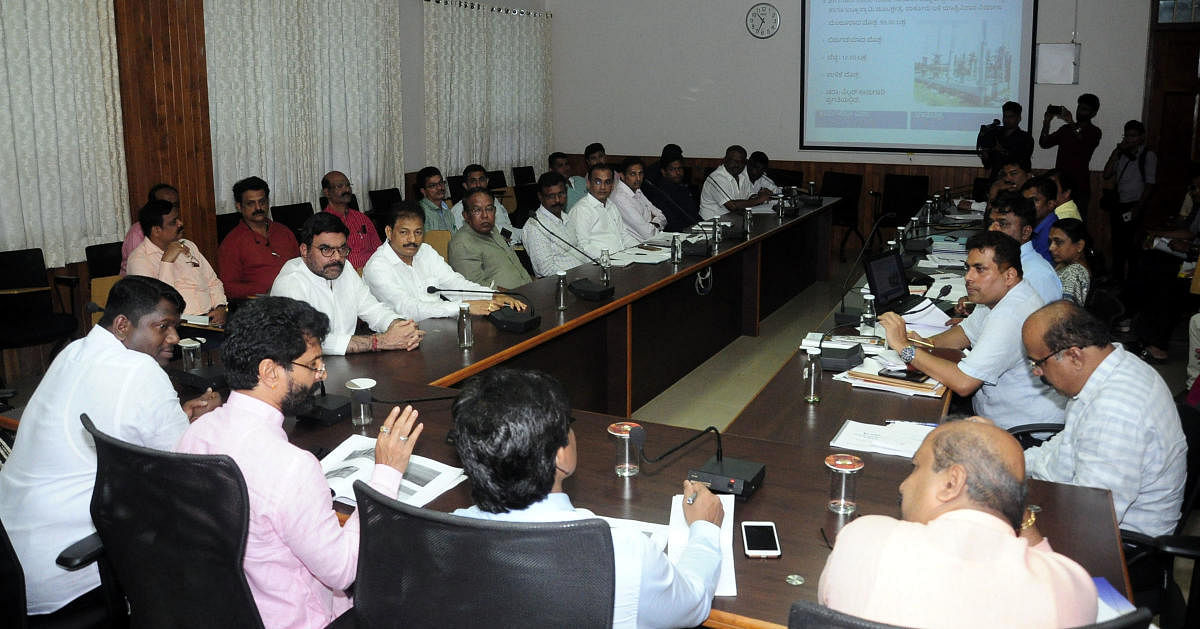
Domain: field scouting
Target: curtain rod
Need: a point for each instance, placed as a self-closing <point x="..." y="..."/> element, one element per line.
<point x="476" y="5"/>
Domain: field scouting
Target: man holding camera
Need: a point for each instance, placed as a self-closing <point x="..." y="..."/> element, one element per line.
<point x="1076" y="140"/>
<point x="1005" y="140"/>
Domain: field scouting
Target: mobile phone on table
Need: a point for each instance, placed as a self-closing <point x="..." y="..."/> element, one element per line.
<point x="760" y="539"/>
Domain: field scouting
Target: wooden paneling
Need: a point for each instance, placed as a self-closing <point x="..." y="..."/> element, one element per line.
<point x="164" y="105"/>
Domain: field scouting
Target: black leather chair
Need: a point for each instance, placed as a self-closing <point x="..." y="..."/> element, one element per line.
<point x="103" y="259"/>
<point x="496" y="179"/>
<point x="226" y="223"/>
<point x="174" y="530"/>
<point x="383" y="199"/>
<point x="809" y="615"/>
<point x="903" y="195"/>
<point x="523" y="175"/>
<point x="451" y="571"/>
<point x="845" y="213"/>
<point x="27" y="314"/>
<point x="293" y="215"/>
<point x="324" y="201"/>
<point x="527" y="203"/>
<point x="454" y="186"/>
<point x="783" y="177"/>
<point x="1025" y="433"/>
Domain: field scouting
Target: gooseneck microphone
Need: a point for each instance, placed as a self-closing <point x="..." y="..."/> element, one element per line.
<point x="583" y="288"/>
<point x="854" y="265"/>
<point x="719" y="473"/>
<point x="506" y="318"/>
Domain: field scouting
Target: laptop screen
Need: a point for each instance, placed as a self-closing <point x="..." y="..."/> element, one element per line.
<point x="885" y="276"/>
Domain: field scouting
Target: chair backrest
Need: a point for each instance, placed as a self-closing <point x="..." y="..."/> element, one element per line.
<point x="807" y="614"/>
<point x="451" y="571"/>
<point x="383" y="199"/>
<point x="439" y="239"/>
<point x="903" y="195"/>
<point x="1189" y="420"/>
<point x="174" y="530"/>
<point x="783" y="177"/>
<point x="848" y="186"/>
<point x="496" y="179"/>
<point x="12" y="584"/>
<point x="24" y="287"/>
<point x="527" y="198"/>
<point x="100" y="287"/>
<point x="103" y="259"/>
<point x="226" y="223"/>
<point x="523" y="175"/>
<point x="980" y="188"/>
<point x="323" y="201"/>
<point x="454" y="185"/>
<point x="292" y="215"/>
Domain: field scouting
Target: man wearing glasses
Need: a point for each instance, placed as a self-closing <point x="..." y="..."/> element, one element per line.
<point x="478" y="251"/>
<point x="995" y="373"/>
<point x="321" y="278"/>
<point x="433" y="200"/>
<point x="1122" y="430"/>
<point x="167" y="256"/>
<point x="475" y="177"/>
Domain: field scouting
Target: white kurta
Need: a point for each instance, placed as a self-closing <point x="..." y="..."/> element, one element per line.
<point x="404" y="287"/>
<point x="344" y="300"/>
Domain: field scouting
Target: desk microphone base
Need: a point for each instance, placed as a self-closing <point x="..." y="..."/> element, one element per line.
<point x="327" y="410"/>
<point x="730" y="476"/>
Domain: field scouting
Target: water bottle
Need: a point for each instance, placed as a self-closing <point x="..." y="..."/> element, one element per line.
<point x="561" y="294"/>
<point x="676" y="249"/>
<point x="868" y="315"/>
<point x="747" y="220"/>
<point x="466" y="335"/>
<point x="716" y="227"/>
<point x="812" y="371"/>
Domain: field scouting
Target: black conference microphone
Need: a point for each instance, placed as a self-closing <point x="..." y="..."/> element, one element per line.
<point x="720" y="474"/>
<point x="583" y="288"/>
<point x="844" y="319"/>
<point x="506" y="318"/>
<point x="326" y="410"/>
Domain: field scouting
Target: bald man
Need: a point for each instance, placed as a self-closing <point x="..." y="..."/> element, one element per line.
<point x="956" y="560"/>
<point x="1122" y="430"/>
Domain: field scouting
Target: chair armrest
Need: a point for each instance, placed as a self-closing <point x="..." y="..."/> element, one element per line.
<point x="9" y="423"/>
<point x="1028" y="428"/>
<point x="82" y="553"/>
<point x="1187" y="546"/>
<point x="22" y="291"/>
<point x="345" y="621"/>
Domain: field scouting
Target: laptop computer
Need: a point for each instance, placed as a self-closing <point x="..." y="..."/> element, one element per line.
<point x="888" y="282"/>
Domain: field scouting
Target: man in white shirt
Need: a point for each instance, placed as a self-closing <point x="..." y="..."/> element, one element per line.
<point x="521" y="480"/>
<point x="728" y="189"/>
<point x="401" y="273"/>
<point x="323" y="278"/>
<point x="167" y="256"/>
<point x="545" y="231"/>
<point x="595" y="222"/>
<point x="1015" y="215"/>
<point x="475" y="177"/>
<point x="756" y="170"/>
<point x="995" y="373"/>
<point x="115" y="375"/>
<point x="642" y="220"/>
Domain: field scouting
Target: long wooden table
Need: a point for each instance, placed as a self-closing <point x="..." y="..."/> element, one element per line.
<point x="615" y="355"/>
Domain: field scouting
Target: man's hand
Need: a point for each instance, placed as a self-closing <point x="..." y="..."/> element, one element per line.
<point x="705" y="506"/>
<point x="198" y="406"/>
<point x="1065" y="114"/>
<point x="511" y="302"/>
<point x="481" y="307"/>
<point x="895" y="330"/>
<point x="175" y="248"/>
<point x="401" y="334"/>
<point x="397" y="437"/>
<point x="963" y="307"/>
<point x="763" y="196"/>
<point x="217" y="315"/>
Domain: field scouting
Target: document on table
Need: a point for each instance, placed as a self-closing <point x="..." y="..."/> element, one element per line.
<point x="678" y="536"/>
<point x="424" y="480"/>
<point x="897" y="438"/>
<point x="642" y="256"/>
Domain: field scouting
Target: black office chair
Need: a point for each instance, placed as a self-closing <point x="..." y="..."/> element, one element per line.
<point x="903" y="195"/>
<point x="845" y="212"/>
<point x="527" y="203"/>
<point x="454" y="185"/>
<point x="496" y="179"/>
<point x="324" y="201"/>
<point x="27" y="313"/>
<point x="980" y="188"/>
<point x="293" y="215"/>
<point x="523" y="175"/>
<point x="226" y="223"/>
<point x="383" y="199"/>
<point x="809" y="615"/>
<point x="103" y="259"/>
<point x="174" y="530"/>
<point x="783" y="178"/>
<point x="451" y="571"/>
<point x="1030" y="435"/>
<point x="1151" y="560"/>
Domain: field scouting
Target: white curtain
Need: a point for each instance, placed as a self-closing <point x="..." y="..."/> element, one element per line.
<point x="487" y="86"/>
<point x="62" y="156"/>
<point x="297" y="88"/>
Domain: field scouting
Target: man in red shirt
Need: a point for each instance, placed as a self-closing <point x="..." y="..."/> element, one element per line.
<point x="363" y="239"/>
<point x="252" y="254"/>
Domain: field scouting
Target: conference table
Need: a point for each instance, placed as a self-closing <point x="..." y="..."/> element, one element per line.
<point x="616" y="354"/>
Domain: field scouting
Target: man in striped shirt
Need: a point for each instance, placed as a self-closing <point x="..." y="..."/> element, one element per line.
<point x="1122" y="430"/>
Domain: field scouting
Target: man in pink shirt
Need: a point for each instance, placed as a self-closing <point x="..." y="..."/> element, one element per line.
<point x="135" y="235"/>
<point x="167" y="256"/>
<point x="363" y="238"/>
<point x="298" y="560"/>
<point x="955" y="560"/>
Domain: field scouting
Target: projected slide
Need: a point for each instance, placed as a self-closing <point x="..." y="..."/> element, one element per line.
<point x="911" y="74"/>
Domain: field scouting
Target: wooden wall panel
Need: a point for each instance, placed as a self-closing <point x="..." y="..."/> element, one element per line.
<point x="164" y="103"/>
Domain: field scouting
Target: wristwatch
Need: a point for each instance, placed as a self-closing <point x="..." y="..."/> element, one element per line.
<point x="908" y="354"/>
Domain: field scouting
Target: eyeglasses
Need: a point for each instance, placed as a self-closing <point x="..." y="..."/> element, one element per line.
<point x="320" y="371"/>
<point x="480" y="211"/>
<point x="1037" y="364"/>
<point x="437" y="184"/>
<point x="328" y="251"/>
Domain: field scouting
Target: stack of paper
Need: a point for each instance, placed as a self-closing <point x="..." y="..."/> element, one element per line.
<point x="897" y="438"/>
<point x="642" y="256"/>
<point x="424" y="480"/>
<point x="866" y="376"/>
<point x="678" y="536"/>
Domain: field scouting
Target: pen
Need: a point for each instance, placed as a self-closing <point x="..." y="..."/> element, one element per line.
<point x="692" y="498"/>
<point x="919" y="342"/>
<point x="905" y="421"/>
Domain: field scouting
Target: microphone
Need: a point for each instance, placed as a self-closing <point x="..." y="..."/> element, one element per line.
<point x="720" y="473"/>
<point x="506" y="318"/>
<point x="583" y="288"/>
<point x="326" y="410"/>
<point x="854" y="265"/>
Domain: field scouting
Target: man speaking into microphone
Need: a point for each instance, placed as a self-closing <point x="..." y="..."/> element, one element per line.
<point x="400" y="273"/>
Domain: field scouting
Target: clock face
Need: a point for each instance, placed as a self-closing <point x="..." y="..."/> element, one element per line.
<point x="763" y="20"/>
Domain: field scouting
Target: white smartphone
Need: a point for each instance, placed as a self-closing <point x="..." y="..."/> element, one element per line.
<point x="760" y="539"/>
